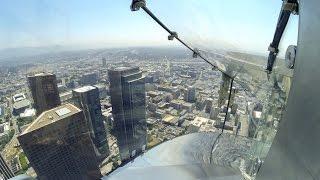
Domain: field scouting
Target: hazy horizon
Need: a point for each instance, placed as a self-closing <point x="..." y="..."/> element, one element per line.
<point x="245" y="26"/>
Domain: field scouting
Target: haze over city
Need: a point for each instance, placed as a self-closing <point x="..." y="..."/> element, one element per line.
<point x="209" y="24"/>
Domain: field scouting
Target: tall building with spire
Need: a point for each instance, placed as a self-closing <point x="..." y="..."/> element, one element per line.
<point x="127" y="90"/>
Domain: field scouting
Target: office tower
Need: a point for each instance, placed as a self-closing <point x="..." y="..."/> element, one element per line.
<point x="87" y="99"/>
<point x="190" y="94"/>
<point x="44" y="90"/>
<point x="168" y="69"/>
<point x="58" y="145"/>
<point x="234" y="108"/>
<point x="234" y="91"/>
<point x="214" y="113"/>
<point x="103" y="92"/>
<point x="5" y="171"/>
<point x="127" y="89"/>
<point x="89" y="79"/>
<point x="209" y="103"/>
<point x="104" y="62"/>
<point x="224" y="89"/>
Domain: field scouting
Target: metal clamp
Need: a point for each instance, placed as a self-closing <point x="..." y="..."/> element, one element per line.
<point x="290" y="56"/>
<point x="172" y="36"/>
<point x="137" y="4"/>
<point x="292" y="7"/>
<point x="273" y="49"/>
<point x="195" y="53"/>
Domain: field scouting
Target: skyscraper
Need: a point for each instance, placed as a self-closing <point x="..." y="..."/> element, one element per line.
<point x="89" y="79"/>
<point x="58" y="145"/>
<point x="44" y="90"/>
<point x="214" y="114"/>
<point x="104" y="62"/>
<point x="224" y="89"/>
<point x="127" y="89"/>
<point x="87" y="99"/>
<point x="190" y="94"/>
<point x="5" y="171"/>
<point x="209" y="103"/>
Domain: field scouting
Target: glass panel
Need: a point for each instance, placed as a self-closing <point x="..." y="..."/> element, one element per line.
<point x="133" y="90"/>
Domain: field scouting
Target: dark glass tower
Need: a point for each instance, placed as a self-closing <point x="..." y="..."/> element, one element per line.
<point x="58" y="145"/>
<point x="127" y="89"/>
<point x="87" y="99"/>
<point x="44" y="90"/>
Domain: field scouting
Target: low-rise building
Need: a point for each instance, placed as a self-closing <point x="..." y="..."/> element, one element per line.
<point x="171" y="120"/>
<point x="179" y="104"/>
<point x="4" y="129"/>
<point x="195" y="125"/>
<point x="20" y="106"/>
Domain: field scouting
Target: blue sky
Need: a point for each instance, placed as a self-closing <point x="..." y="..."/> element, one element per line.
<point x="241" y="25"/>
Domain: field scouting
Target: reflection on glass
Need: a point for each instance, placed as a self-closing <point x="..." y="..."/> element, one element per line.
<point x="126" y="102"/>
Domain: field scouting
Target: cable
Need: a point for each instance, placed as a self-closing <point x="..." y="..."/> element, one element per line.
<point x="229" y="98"/>
<point x="156" y="19"/>
<point x="137" y="4"/>
<point x="174" y="35"/>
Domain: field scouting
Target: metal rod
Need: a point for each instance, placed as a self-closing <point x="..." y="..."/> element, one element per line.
<point x="186" y="45"/>
<point x="181" y="41"/>
<point x="229" y="98"/>
<point x="156" y="19"/>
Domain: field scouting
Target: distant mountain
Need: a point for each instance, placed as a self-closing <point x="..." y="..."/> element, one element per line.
<point x="28" y="51"/>
<point x="16" y="56"/>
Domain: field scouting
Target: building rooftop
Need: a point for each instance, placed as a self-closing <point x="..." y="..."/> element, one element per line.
<point x="257" y="114"/>
<point x="19" y="97"/>
<point x="66" y="93"/>
<point x="170" y="119"/>
<point x="127" y="71"/>
<point x="84" y="89"/>
<point x="52" y="115"/>
<point x="22" y="177"/>
<point x="42" y="74"/>
<point x="21" y="104"/>
<point x="28" y="113"/>
<point x="199" y="121"/>
<point x="122" y="68"/>
<point x="100" y="86"/>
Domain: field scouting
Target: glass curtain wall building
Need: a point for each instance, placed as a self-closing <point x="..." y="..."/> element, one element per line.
<point x="58" y="145"/>
<point x="87" y="99"/>
<point x="127" y="92"/>
<point x="44" y="90"/>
